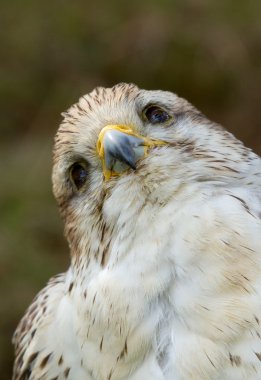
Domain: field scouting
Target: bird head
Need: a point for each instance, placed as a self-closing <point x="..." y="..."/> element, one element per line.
<point x="122" y="150"/>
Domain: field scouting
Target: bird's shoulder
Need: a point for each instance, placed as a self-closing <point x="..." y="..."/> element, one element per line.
<point x="37" y="317"/>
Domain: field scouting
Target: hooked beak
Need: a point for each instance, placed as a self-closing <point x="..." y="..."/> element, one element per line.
<point x="119" y="148"/>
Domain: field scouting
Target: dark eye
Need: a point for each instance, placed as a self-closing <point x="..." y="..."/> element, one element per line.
<point x="156" y="115"/>
<point x="78" y="174"/>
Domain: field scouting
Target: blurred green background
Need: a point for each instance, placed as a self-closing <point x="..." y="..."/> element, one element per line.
<point x="52" y="52"/>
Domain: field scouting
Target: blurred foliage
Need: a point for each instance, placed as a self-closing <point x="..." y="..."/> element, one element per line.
<point x="54" y="51"/>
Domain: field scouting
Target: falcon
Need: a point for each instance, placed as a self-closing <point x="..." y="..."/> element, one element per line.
<point x="162" y="215"/>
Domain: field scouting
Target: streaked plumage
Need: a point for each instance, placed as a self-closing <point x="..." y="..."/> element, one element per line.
<point x="165" y="276"/>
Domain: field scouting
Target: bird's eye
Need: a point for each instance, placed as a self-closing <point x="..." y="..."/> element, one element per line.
<point x="78" y="174"/>
<point x="156" y="115"/>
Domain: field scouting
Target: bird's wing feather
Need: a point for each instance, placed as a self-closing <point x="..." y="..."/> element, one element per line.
<point x="41" y="311"/>
<point x="219" y="246"/>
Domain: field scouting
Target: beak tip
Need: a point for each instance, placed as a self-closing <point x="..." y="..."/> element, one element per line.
<point x="133" y="167"/>
<point x="131" y="162"/>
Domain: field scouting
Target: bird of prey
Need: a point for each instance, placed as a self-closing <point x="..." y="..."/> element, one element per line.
<point x="162" y="213"/>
